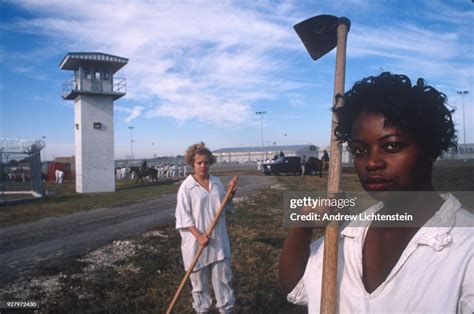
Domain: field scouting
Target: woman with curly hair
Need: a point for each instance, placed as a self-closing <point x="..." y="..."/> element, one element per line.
<point x="199" y="197"/>
<point x="395" y="132"/>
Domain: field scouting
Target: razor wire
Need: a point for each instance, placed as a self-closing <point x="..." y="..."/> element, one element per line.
<point x="27" y="146"/>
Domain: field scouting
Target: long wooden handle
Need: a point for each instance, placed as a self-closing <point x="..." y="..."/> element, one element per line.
<point x="227" y="198"/>
<point x="329" y="280"/>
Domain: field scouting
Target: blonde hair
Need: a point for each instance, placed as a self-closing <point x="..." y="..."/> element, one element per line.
<point x="198" y="149"/>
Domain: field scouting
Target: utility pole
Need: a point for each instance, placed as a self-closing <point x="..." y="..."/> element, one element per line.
<point x="462" y="93"/>
<point x="261" y="113"/>
<point x="44" y="148"/>
<point x="131" y="141"/>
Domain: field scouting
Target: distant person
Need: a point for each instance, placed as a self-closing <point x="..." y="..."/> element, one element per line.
<point x="395" y="132"/>
<point x="199" y="197"/>
<point x="259" y="165"/>
<point x="303" y="165"/>
<point x="185" y="170"/>
<point x="167" y="170"/>
<point x="180" y="170"/>
<point x="59" y="176"/>
<point x="144" y="166"/>
<point x="325" y="159"/>
<point x="282" y="154"/>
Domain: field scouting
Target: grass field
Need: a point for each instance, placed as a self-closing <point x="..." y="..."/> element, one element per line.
<point x="61" y="200"/>
<point x="142" y="273"/>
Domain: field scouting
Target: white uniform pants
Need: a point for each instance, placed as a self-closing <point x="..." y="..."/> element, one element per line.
<point x="221" y="283"/>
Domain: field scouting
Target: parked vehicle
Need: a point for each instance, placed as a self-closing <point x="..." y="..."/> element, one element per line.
<point x="283" y="165"/>
<point x="292" y="165"/>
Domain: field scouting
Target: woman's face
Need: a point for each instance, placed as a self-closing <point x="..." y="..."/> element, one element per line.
<point x="386" y="158"/>
<point x="201" y="165"/>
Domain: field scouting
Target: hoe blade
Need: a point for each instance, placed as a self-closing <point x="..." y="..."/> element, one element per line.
<point x="318" y="34"/>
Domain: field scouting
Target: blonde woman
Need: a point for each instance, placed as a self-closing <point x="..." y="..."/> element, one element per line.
<point x="199" y="197"/>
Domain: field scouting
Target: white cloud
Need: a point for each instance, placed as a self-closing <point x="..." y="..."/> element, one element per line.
<point x="133" y="112"/>
<point x="213" y="61"/>
<point x="206" y="62"/>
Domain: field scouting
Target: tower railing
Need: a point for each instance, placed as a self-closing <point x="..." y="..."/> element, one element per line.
<point x="74" y="85"/>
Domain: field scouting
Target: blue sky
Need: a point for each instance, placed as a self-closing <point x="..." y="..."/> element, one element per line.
<point x="199" y="70"/>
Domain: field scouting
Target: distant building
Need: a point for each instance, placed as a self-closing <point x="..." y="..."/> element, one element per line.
<point x="465" y="151"/>
<point x="253" y="154"/>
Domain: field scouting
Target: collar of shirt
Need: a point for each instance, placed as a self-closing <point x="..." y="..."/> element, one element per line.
<point x="434" y="233"/>
<point x="193" y="182"/>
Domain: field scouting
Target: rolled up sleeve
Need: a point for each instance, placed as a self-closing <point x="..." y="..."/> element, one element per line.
<point x="298" y="294"/>
<point x="183" y="213"/>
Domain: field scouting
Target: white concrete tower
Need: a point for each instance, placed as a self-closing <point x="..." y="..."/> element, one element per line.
<point x="94" y="89"/>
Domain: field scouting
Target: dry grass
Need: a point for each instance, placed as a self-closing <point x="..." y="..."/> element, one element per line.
<point x="63" y="200"/>
<point x="145" y="278"/>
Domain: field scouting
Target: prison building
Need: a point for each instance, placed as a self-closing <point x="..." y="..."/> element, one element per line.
<point x="253" y="154"/>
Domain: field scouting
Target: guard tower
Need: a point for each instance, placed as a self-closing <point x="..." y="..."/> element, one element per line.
<point x="93" y="89"/>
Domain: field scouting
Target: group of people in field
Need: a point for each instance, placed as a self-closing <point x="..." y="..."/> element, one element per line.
<point x="395" y="131"/>
<point x="163" y="171"/>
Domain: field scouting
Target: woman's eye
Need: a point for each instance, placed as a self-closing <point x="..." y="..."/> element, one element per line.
<point x="393" y="147"/>
<point x="358" y="151"/>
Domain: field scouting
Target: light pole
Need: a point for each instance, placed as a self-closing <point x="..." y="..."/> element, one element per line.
<point x="44" y="148"/>
<point x="462" y="93"/>
<point x="131" y="141"/>
<point x="153" y="149"/>
<point x="261" y="113"/>
<point x="286" y="143"/>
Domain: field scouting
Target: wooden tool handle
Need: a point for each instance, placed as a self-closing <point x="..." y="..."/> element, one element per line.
<point x="329" y="280"/>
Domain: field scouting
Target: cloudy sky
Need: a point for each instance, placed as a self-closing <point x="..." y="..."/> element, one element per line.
<point x="199" y="70"/>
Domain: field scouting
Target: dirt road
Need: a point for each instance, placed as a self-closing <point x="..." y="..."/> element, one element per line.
<point x="49" y="244"/>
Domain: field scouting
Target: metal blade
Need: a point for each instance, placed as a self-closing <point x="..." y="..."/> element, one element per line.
<point x="318" y="34"/>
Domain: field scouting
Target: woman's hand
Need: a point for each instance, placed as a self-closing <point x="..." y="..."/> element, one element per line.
<point x="233" y="185"/>
<point x="203" y="239"/>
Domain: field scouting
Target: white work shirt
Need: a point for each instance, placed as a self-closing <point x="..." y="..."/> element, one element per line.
<point x="435" y="273"/>
<point x="197" y="207"/>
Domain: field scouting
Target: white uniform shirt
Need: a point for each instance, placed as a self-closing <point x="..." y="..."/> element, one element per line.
<point x="434" y="274"/>
<point x="197" y="207"/>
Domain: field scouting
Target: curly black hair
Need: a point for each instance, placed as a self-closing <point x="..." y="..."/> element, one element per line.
<point x="420" y="110"/>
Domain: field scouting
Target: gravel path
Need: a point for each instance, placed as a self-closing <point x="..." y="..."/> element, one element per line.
<point x="51" y="242"/>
